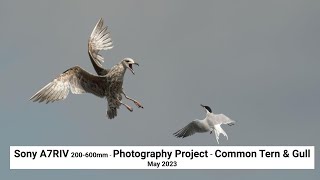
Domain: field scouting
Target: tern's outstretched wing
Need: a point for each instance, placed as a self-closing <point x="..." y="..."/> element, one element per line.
<point x="75" y="79"/>
<point x="190" y="129"/>
<point x="99" y="40"/>
<point x="221" y="119"/>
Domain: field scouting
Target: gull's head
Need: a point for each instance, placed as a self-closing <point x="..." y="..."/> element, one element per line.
<point x="128" y="62"/>
<point x="207" y="108"/>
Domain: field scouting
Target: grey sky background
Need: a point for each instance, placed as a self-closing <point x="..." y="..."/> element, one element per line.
<point x="255" y="61"/>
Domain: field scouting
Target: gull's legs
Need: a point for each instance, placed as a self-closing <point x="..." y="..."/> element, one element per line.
<point x="128" y="107"/>
<point x="135" y="101"/>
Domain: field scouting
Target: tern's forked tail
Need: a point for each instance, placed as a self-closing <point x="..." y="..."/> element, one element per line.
<point x="218" y="130"/>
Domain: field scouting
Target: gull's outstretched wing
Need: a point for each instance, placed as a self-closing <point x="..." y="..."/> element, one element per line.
<point x="221" y="119"/>
<point x="75" y="79"/>
<point x="99" y="40"/>
<point x="190" y="129"/>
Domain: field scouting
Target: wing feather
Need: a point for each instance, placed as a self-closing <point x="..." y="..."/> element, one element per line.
<point x="188" y="130"/>
<point x="221" y="119"/>
<point x="75" y="79"/>
<point x="100" y="39"/>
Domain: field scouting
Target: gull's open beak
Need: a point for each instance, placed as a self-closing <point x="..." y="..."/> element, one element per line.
<point x="202" y="105"/>
<point x="131" y="68"/>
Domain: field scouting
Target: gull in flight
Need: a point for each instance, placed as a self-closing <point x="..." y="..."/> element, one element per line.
<point x="212" y="122"/>
<point x="107" y="84"/>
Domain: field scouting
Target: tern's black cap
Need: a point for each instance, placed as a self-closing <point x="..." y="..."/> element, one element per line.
<point x="207" y="108"/>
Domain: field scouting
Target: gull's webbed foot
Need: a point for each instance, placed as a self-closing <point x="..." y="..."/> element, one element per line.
<point x="138" y="104"/>
<point x="133" y="100"/>
<point x="129" y="108"/>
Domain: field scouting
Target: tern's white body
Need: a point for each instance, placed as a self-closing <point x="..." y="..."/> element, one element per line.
<point x="212" y="122"/>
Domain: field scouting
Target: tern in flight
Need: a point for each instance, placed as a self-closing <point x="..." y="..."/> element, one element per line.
<point x="212" y="122"/>
<point x="107" y="84"/>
